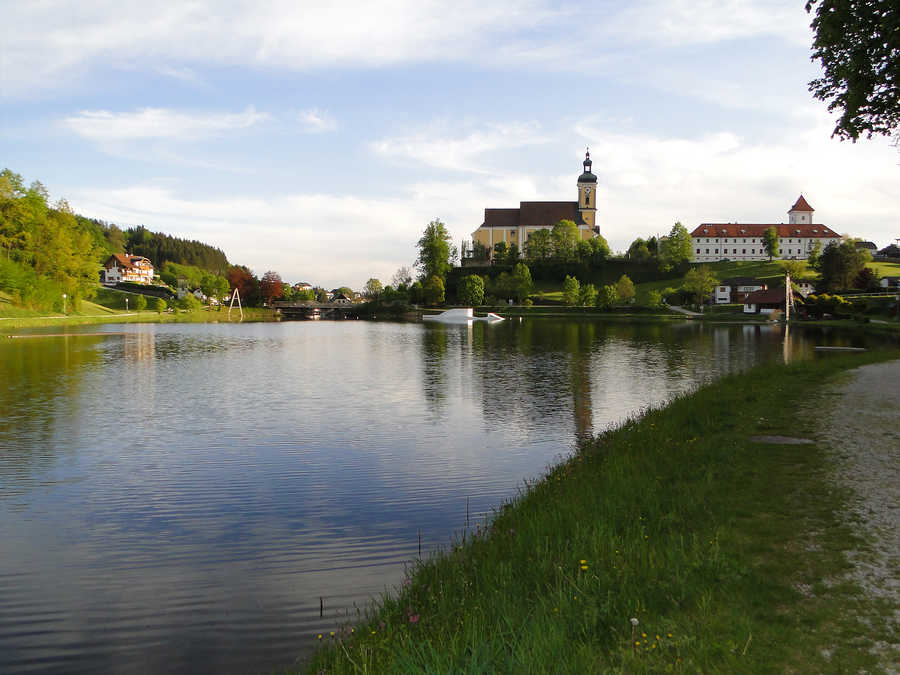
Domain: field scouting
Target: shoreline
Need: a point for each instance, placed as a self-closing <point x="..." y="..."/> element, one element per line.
<point x="729" y="552"/>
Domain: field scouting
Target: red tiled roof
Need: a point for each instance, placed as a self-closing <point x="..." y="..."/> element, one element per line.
<point x="533" y="214"/>
<point x="801" y="205"/>
<point x="765" y="297"/>
<point x="757" y="229"/>
<point x="126" y="261"/>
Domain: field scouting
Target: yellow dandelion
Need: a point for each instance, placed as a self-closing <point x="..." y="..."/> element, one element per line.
<point x="643" y="635"/>
<point x="319" y="636"/>
<point x="582" y="561"/>
<point x="373" y="632"/>
<point x="556" y="609"/>
<point x="653" y="646"/>
<point x="637" y="643"/>
<point x="657" y="638"/>
<point x="331" y="633"/>
<point x="668" y="635"/>
<point x="584" y="567"/>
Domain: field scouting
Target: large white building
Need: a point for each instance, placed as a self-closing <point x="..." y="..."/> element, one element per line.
<point x="744" y="241"/>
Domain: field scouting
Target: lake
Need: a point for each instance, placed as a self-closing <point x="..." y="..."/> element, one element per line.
<point x="182" y="497"/>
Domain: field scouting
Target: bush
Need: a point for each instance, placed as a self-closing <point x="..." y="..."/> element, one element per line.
<point x="189" y="303"/>
<point x="160" y="305"/>
<point x="140" y="303"/>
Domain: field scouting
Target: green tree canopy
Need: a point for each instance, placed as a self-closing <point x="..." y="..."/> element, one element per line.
<point x="770" y="242"/>
<point x="858" y="44"/>
<point x="625" y="289"/>
<point x="571" y="290"/>
<point x="521" y="281"/>
<point x="840" y="264"/>
<point x="471" y="290"/>
<point x="434" y="252"/>
<point x="539" y="245"/>
<point x="700" y="283"/>
<point x="674" y="249"/>
<point x="638" y="251"/>
<point x="587" y="296"/>
<point x="501" y="248"/>
<point x="564" y="236"/>
<point x="372" y="289"/>
<point x="606" y="296"/>
<point x="433" y="290"/>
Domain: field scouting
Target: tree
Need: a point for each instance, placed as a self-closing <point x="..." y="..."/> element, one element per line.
<point x="840" y="264"/>
<point x="416" y="293"/>
<point x="564" y="236"/>
<point x="858" y="44"/>
<point x="372" y="289"/>
<point x="500" y="250"/>
<point x="434" y="251"/>
<point x="770" y="242"/>
<point x="700" y="282"/>
<point x="140" y="303"/>
<point x="793" y="268"/>
<point x="638" y="251"/>
<point x="653" y="299"/>
<point x="512" y="254"/>
<point x="433" y="290"/>
<point x="587" y="297"/>
<point x="160" y="305"/>
<point x="674" y="249"/>
<point x="471" y="290"/>
<point x="813" y="258"/>
<point x="599" y="247"/>
<point x="625" y="289"/>
<point x="539" y="245"/>
<point x="606" y="297"/>
<point x="270" y="286"/>
<point x="521" y="281"/>
<point x="571" y="290"/>
<point x="402" y="279"/>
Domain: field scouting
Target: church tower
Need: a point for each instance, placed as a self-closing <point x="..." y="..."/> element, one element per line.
<point x="801" y="213"/>
<point x="587" y="193"/>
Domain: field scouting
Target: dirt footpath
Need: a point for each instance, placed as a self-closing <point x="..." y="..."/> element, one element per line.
<point x="861" y="427"/>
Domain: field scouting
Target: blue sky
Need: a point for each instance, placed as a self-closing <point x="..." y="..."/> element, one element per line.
<point x="318" y="139"/>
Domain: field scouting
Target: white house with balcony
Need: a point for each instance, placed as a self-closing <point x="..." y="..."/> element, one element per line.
<point x="712" y="242"/>
<point x="121" y="267"/>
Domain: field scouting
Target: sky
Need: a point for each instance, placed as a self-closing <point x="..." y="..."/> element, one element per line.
<point x="318" y="139"/>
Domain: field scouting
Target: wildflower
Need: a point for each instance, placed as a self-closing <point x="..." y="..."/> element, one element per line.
<point x="643" y="635"/>
<point x="413" y="618"/>
<point x="319" y="636"/>
<point x="637" y="643"/>
<point x="668" y="635"/>
<point x="582" y="561"/>
<point x="556" y="609"/>
<point x="331" y="633"/>
<point x="373" y="632"/>
<point x="653" y="646"/>
<point x="584" y="567"/>
<point x="634" y="621"/>
<point x="657" y="637"/>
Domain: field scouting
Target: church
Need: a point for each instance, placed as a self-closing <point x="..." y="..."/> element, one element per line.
<point x="514" y="225"/>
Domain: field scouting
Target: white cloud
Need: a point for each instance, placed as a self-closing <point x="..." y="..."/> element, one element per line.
<point x="103" y="126"/>
<point x="442" y="148"/>
<point x="314" y="121"/>
<point x="50" y="44"/>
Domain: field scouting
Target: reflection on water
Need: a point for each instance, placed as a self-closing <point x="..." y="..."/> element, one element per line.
<point x="179" y="497"/>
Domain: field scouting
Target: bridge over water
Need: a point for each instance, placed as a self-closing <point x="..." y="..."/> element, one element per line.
<point x="316" y="310"/>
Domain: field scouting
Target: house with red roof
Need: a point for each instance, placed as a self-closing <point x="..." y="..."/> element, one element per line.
<point x="744" y="241"/>
<point x="121" y="267"/>
<point x="514" y="225"/>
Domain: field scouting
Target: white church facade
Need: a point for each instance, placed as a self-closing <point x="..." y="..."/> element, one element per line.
<point x="744" y="241"/>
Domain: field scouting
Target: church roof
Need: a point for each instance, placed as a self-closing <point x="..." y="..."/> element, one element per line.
<point x="533" y="214"/>
<point x="757" y="229"/>
<point x="587" y="177"/>
<point x="801" y="205"/>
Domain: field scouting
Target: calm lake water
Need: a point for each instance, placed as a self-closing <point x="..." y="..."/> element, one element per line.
<point x="177" y="498"/>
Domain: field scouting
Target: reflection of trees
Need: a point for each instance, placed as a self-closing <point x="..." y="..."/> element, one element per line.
<point x="434" y="375"/>
<point x="41" y="379"/>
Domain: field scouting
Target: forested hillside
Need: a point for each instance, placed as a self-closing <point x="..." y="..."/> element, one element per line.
<point x="162" y="248"/>
<point x="47" y="251"/>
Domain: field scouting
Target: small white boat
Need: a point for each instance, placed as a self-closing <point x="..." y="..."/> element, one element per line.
<point x="464" y="315"/>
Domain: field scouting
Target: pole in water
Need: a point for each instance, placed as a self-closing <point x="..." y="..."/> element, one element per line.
<point x="321" y="607"/>
<point x="420" y="543"/>
<point x="467" y="511"/>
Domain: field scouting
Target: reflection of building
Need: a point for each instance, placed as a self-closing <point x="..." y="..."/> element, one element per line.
<point x="123" y="267"/>
<point x="744" y="241"/>
<point x="514" y="225"/>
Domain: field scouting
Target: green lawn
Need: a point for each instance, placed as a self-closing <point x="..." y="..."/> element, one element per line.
<point x="727" y="553"/>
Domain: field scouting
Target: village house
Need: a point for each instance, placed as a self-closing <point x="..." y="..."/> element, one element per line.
<point x="767" y="301"/>
<point x="890" y="282"/>
<point x="744" y="241"/>
<point x="514" y="225"/>
<point x="121" y="267"/>
<point x="735" y="289"/>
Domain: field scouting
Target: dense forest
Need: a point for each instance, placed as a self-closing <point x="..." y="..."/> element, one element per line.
<point x="162" y="248"/>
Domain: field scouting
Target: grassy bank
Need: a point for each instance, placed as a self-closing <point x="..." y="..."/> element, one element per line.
<point x="727" y="552"/>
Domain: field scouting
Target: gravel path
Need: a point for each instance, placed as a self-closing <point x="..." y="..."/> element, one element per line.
<point x="861" y="426"/>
